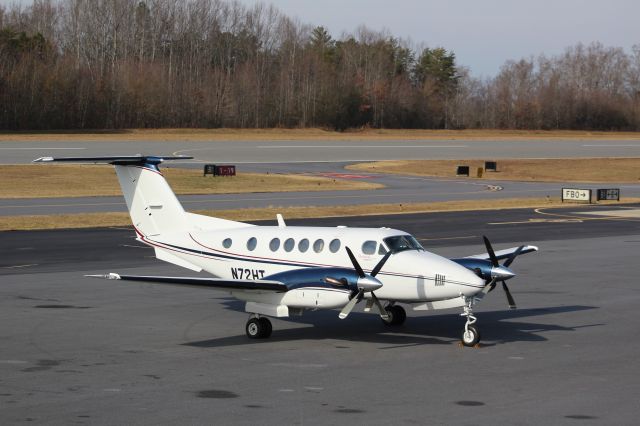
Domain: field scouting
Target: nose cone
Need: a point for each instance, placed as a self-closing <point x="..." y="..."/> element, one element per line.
<point x="502" y="273"/>
<point x="470" y="283"/>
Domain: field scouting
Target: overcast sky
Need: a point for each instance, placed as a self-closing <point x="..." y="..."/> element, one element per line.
<point x="482" y="33"/>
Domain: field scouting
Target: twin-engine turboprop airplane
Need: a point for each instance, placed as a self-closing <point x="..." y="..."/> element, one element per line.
<point x="281" y="271"/>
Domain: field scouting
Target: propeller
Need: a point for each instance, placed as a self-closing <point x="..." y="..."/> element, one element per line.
<point x="501" y="272"/>
<point x="365" y="283"/>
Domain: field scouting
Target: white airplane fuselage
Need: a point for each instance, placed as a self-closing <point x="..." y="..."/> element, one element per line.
<point x="411" y="276"/>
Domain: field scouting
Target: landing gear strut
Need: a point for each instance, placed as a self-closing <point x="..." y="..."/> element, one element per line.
<point x="471" y="333"/>
<point x="258" y="328"/>
<point x="396" y="314"/>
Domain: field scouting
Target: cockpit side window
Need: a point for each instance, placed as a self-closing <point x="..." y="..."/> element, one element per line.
<point x="402" y="242"/>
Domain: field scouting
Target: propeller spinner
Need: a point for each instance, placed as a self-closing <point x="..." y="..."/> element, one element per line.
<point x="366" y="283"/>
<point x="501" y="272"/>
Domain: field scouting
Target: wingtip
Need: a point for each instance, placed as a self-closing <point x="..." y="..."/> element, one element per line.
<point x="43" y="160"/>
<point x="109" y="276"/>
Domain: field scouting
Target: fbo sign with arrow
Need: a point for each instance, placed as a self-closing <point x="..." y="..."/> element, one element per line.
<point x="575" y="194"/>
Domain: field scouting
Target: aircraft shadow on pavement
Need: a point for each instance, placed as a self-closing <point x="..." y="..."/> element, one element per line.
<point x="497" y="327"/>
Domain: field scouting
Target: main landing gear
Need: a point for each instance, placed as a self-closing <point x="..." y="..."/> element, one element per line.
<point x="258" y="327"/>
<point x="396" y="314"/>
<point x="471" y="333"/>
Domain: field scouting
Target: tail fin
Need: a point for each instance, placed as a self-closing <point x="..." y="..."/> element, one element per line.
<point x="152" y="205"/>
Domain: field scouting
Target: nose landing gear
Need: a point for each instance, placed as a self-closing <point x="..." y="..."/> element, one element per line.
<point x="471" y="333"/>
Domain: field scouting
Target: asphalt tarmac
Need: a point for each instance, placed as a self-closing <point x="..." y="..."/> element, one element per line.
<point x="82" y="351"/>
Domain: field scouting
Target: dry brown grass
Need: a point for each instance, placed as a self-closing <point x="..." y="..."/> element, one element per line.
<point x="308" y="134"/>
<point x="40" y="180"/>
<point x="92" y="220"/>
<point x="617" y="170"/>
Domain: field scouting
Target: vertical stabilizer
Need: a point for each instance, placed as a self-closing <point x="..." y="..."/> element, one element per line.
<point x="153" y="206"/>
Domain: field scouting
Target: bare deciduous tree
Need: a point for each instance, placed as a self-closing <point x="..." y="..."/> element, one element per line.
<point x="217" y="63"/>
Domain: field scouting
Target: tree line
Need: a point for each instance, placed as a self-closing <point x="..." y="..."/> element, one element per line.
<point x="109" y="64"/>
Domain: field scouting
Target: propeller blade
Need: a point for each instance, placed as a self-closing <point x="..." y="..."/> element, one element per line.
<point x="492" y="254"/>
<point x="349" y="306"/>
<point x="383" y="313"/>
<point x="513" y="256"/>
<point x="368" y="306"/>
<point x="512" y="303"/>
<point x="380" y="264"/>
<point x="492" y="285"/>
<point x="355" y="263"/>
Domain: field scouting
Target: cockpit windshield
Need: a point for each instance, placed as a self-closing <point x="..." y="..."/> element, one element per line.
<point x="402" y="242"/>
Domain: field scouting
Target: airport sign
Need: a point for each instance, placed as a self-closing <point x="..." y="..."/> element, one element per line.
<point x="576" y="194"/>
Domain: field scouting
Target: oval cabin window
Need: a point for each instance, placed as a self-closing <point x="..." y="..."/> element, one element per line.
<point x="251" y="243"/>
<point x="289" y="244"/>
<point x="369" y="247"/>
<point x="274" y="245"/>
<point x="303" y="245"/>
<point x="318" y="246"/>
<point x="334" y="245"/>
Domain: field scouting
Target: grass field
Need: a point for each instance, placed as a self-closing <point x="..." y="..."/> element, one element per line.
<point x="38" y="180"/>
<point x="619" y="170"/>
<point x="308" y="134"/>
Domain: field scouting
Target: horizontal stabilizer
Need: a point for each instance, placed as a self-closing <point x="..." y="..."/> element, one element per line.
<point x="215" y="283"/>
<point x="121" y="160"/>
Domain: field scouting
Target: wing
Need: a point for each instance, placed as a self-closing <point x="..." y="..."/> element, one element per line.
<point x="504" y="254"/>
<point x="214" y="283"/>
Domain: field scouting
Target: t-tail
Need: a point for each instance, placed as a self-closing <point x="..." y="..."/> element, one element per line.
<point x="152" y="205"/>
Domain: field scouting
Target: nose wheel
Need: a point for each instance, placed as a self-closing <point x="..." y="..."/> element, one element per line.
<point x="470" y="336"/>
<point x="471" y="333"/>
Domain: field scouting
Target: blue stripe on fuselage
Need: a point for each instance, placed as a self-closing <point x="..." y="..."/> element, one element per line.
<point x="293" y="264"/>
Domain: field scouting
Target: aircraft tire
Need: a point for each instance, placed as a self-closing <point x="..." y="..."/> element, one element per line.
<point x="471" y="338"/>
<point x="267" y="327"/>
<point x="255" y="328"/>
<point x="397" y="315"/>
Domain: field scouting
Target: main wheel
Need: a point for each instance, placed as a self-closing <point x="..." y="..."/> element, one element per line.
<point x="471" y="336"/>
<point x="397" y="315"/>
<point x="258" y="328"/>
<point x="268" y="328"/>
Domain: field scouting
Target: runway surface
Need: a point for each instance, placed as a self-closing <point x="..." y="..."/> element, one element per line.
<point x="322" y="158"/>
<point x="242" y="152"/>
<point x="82" y="351"/>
